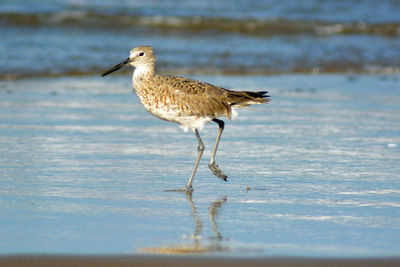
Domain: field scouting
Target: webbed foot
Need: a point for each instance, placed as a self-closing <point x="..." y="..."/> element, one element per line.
<point x="185" y="189"/>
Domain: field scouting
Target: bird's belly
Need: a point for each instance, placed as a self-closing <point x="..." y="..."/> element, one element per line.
<point x="186" y="121"/>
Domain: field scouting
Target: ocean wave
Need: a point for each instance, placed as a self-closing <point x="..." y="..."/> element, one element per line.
<point x="250" y="26"/>
<point x="202" y="71"/>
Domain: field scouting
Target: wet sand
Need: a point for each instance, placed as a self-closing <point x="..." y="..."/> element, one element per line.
<point x="314" y="174"/>
<point x="187" y="261"/>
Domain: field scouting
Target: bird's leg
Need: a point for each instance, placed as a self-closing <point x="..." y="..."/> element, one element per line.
<point x="214" y="166"/>
<point x="200" y="149"/>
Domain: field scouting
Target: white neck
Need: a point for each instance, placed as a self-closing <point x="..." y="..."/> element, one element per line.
<point x="143" y="70"/>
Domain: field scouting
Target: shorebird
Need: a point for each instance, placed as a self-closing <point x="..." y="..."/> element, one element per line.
<point x="188" y="102"/>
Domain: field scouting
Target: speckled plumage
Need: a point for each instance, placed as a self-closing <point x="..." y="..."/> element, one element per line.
<point x="187" y="102"/>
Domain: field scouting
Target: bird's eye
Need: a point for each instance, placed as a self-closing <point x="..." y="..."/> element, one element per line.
<point x="141" y="54"/>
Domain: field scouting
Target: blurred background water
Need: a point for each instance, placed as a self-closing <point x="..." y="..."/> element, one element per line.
<point x="83" y="167"/>
<point x="64" y="37"/>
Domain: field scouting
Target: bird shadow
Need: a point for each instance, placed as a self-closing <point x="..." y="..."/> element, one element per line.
<point x="197" y="242"/>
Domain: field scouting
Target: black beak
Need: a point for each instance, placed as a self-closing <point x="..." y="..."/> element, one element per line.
<point x="116" y="67"/>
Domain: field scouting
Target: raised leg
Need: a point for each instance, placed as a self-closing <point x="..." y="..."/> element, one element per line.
<point x="214" y="166"/>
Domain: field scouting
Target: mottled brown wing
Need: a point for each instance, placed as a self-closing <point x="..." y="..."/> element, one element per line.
<point x="198" y="98"/>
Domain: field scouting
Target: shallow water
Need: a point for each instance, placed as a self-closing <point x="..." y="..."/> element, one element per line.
<point x="84" y="169"/>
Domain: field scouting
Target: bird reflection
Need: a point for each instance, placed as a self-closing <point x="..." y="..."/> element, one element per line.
<point x="199" y="224"/>
<point x="213" y="212"/>
<point x="212" y="244"/>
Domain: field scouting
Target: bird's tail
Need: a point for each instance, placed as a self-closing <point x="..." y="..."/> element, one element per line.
<point x="246" y="98"/>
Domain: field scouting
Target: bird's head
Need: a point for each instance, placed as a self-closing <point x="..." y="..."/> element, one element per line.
<point x="141" y="56"/>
